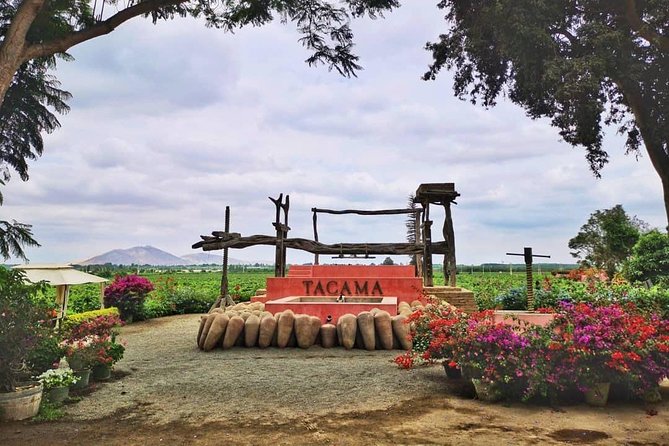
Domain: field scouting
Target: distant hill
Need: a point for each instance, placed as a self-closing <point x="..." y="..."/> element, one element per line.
<point x="139" y="255"/>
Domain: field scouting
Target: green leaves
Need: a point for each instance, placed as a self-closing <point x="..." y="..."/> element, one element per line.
<point x="606" y="239"/>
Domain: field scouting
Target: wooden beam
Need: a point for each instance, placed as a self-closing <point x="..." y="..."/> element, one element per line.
<point x="321" y="248"/>
<point x="364" y="212"/>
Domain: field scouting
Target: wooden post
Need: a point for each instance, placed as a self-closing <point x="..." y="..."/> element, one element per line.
<point x="315" y="221"/>
<point x="450" y="265"/>
<point x="418" y="258"/>
<point x="224" y="275"/>
<point x="527" y="254"/>
<point x="428" y="273"/>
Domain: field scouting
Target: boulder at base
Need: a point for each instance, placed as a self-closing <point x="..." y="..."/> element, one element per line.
<point x="216" y="331"/>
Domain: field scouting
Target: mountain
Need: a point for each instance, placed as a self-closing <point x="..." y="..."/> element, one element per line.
<point x="139" y="255"/>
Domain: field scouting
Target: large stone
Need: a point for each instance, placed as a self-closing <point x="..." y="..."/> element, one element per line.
<point x="285" y="328"/>
<point x="303" y="330"/>
<point x="348" y="325"/>
<point x="328" y="335"/>
<point x="401" y="331"/>
<point x="403" y="306"/>
<point x="384" y="329"/>
<point x="315" y="329"/>
<point x="235" y="327"/>
<point x="251" y="330"/>
<point x="216" y="331"/>
<point x="267" y="331"/>
<point x="205" y="329"/>
<point x="366" y="328"/>
<point x="203" y="321"/>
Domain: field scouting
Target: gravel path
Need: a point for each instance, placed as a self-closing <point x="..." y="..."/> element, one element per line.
<point x="170" y="379"/>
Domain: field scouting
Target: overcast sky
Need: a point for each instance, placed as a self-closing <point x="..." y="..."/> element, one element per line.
<point x="171" y="123"/>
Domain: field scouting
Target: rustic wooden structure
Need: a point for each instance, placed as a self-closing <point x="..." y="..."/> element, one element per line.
<point x="434" y="193"/>
<point x="440" y="194"/>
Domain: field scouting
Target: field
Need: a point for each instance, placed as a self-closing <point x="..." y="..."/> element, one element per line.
<point x="243" y="285"/>
<point x="180" y="292"/>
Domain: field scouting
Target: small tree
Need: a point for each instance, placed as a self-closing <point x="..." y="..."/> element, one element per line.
<point x="606" y="240"/>
<point x="388" y="261"/>
<point x="650" y="259"/>
<point x="21" y="326"/>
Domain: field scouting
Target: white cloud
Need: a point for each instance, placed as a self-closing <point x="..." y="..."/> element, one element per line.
<point x="171" y="123"/>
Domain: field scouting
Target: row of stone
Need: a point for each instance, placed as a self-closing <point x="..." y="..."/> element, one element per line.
<point x="250" y="326"/>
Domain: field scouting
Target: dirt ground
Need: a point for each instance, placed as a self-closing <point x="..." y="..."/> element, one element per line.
<point x="166" y="392"/>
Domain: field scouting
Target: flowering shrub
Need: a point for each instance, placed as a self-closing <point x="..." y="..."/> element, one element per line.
<point x="80" y="352"/>
<point x="93" y="341"/>
<point x="611" y="344"/>
<point x="432" y="332"/>
<point x="127" y="293"/>
<point x="584" y="345"/>
<point x="99" y="326"/>
<point x="61" y="377"/>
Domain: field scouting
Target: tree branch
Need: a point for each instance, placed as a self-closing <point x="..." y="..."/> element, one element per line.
<point x="644" y="29"/>
<point x="101" y="28"/>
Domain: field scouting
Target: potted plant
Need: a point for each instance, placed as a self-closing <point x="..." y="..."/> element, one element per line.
<point x="81" y="356"/>
<point x="57" y="383"/>
<point x="22" y="322"/>
<point x="109" y="352"/>
<point x="102" y="349"/>
<point x="492" y="355"/>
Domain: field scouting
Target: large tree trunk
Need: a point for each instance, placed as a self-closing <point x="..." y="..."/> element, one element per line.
<point x="12" y="49"/>
<point x="654" y="140"/>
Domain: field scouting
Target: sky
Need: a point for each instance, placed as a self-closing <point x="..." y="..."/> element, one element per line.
<point x="172" y="122"/>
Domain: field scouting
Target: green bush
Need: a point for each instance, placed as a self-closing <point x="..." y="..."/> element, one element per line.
<point x="75" y="319"/>
<point x="514" y="299"/>
<point x="650" y="259"/>
<point x="83" y="302"/>
<point x="178" y="300"/>
<point x="46" y="353"/>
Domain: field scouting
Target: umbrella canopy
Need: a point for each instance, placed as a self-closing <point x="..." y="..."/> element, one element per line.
<point x="61" y="276"/>
<point x="58" y="274"/>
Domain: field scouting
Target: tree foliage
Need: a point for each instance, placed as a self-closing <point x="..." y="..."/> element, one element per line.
<point x="25" y="116"/>
<point x="606" y="239"/>
<point x="583" y="64"/>
<point x="14" y="237"/>
<point x="650" y="259"/>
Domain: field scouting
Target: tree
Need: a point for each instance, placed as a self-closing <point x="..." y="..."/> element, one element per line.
<point x="34" y="29"/>
<point x="607" y="239"/>
<point x="24" y="116"/>
<point x="388" y="261"/>
<point x="649" y="259"/>
<point x="13" y="237"/>
<point x="580" y="63"/>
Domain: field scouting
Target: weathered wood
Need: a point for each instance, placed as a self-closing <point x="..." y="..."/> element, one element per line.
<point x="450" y="266"/>
<point x="225" y="234"/>
<point x="321" y="248"/>
<point x="315" y="222"/>
<point x="366" y="212"/>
